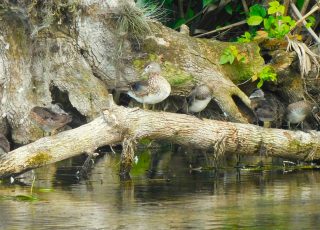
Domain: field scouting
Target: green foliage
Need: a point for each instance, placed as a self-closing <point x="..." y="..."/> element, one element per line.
<point x="256" y="15"/>
<point x="246" y="37"/>
<point x="257" y="10"/>
<point x="275" y="8"/>
<point x="276" y="25"/>
<point x="311" y="20"/>
<point x="266" y="74"/>
<point x="279" y="26"/>
<point x="230" y="54"/>
<point x="299" y="4"/>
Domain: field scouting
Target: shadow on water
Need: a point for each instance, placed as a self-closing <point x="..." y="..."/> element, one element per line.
<point x="168" y="190"/>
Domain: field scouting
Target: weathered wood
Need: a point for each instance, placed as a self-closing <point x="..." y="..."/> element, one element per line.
<point x="119" y="123"/>
<point x="85" y="59"/>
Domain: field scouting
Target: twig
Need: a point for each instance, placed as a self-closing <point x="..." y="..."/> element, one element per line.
<point x="301" y="19"/>
<point x="286" y="6"/>
<point x="304" y="7"/>
<point x="222" y="28"/>
<point x="245" y="6"/>
<point x="296" y="11"/>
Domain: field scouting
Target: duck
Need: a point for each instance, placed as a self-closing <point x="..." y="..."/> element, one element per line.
<point x="298" y="111"/>
<point x="4" y="144"/>
<point x="198" y="99"/>
<point x="153" y="90"/>
<point x="262" y="108"/>
<point x="48" y="120"/>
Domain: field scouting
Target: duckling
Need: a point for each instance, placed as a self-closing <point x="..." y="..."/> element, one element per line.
<point x="48" y="120"/>
<point x="198" y="99"/>
<point x="297" y="112"/>
<point x="4" y="144"/>
<point x="262" y="108"/>
<point x="153" y="90"/>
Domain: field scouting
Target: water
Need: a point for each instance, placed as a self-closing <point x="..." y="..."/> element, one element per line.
<point x="177" y="198"/>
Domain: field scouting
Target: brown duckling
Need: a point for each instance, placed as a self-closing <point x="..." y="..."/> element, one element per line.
<point x="198" y="99"/>
<point x="48" y="120"/>
<point x="262" y="109"/>
<point x="297" y="112"/>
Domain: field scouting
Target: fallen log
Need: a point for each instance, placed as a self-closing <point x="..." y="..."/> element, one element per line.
<point x="127" y="125"/>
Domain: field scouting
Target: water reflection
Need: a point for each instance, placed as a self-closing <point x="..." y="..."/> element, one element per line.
<point x="164" y="193"/>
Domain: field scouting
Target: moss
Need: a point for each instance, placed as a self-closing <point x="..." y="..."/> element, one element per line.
<point x="294" y="144"/>
<point x="174" y="75"/>
<point x="238" y="71"/>
<point x="41" y="158"/>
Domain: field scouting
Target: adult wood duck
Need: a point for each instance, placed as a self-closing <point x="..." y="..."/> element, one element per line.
<point x="262" y="109"/>
<point x="297" y="112"/>
<point x="48" y="120"/>
<point x="153" y="90"/>
<point x="4" y="144"/>
<point x="198" y="99"/>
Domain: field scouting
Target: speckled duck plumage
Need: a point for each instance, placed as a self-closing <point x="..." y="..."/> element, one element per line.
<point x="153" y="90"/>
<point x="48" y="120"/>
<point x="298" y="111"/>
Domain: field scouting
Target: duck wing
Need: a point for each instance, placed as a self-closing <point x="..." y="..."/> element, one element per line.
<point x="140" y="88"/>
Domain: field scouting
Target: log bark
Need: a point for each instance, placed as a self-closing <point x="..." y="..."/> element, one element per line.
<point x="127" y="125"/>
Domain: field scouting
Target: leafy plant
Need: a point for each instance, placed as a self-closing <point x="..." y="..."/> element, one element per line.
<point x="275" y="8"/>
<point x="311" y="20"/>
<point x="246" y="37"/>
<point x="230" y="54"/>
<point x="266" y="74"/>
<point x="276" y="24"/>
<point x="256" y="15"/>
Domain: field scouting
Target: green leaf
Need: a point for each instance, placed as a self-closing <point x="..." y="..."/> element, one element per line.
<point x="260" y="83"/>
<point x="268" y="74"/>
<point x="275" y="7"/>
<point x="226" y="58"/>
<point x="233" y="50"/>
<point x="268" y="22"/>
<point x="257" y="10"/>
<point x="206" y="2"/>
<point x="299" y="4"/>
<point x="272" y="10"/>
<point x="246" y="37"/>
<point x="190" y="13"/>
<point x="228" y="9"/>
<point x="281" y="9"/>
<point x="274" y="4"/>
<point x="310" y="21"/>
<point x="254" y="20"/>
